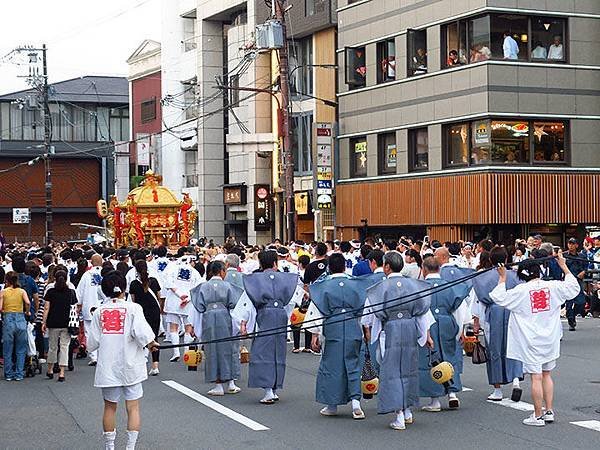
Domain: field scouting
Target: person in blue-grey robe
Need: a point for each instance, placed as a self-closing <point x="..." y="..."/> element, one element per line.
<point x="450" y="311"/>
<point x="450" y="272"/>
<point x="338" y="378"/>
<point x="233" y="275"/>
<point x="375" y="260"/>
<point x="267" y="302"/>
<point x="214" y="301"/>
<point x="494" y="318"/>
<point x="398" y="315"/>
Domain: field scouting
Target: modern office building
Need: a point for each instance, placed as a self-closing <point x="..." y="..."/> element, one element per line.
<point x="465" y="119"/>
<point x="88" y="116"/>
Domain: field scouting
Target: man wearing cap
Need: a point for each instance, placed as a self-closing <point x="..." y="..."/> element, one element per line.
<point x="576" y="267"/>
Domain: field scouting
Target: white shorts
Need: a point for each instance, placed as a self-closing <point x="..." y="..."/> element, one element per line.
<point x="539" y="368"/>
<point x="113" y="394"/>
<point x="177" y="319"/>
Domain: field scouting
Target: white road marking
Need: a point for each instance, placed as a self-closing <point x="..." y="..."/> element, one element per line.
<point x="466" y="389"/>
<point x="216" y="406"/>
<point x="589" y="424"/>
<point x="521" y="406"/>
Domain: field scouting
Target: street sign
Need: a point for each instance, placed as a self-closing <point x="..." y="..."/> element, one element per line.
<point x="324" y="201"/>
<point x="324" y="184"/>
<point x="262" y="207"/>
<point x="324" y="155"/>
<point x="21" y="215"/>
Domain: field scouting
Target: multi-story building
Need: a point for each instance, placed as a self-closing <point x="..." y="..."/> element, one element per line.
<point x="88" y="115"/>
<point x="145" y="117"/>
<point x="466" y="119"/>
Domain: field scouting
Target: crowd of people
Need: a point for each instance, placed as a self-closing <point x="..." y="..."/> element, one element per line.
<point x="401" y="303"/>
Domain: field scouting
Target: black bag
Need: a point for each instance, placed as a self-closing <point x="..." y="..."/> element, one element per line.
<point x="479" y="353"/>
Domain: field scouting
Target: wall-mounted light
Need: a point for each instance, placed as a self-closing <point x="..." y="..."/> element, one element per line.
<point x="523" y="38"/>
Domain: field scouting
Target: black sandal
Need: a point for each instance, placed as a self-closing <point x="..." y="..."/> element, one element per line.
<point x="49" y="375"/>
<point x="61" y="379"/>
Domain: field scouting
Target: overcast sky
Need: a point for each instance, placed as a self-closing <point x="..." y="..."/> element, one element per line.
<point x="83" y="37"/>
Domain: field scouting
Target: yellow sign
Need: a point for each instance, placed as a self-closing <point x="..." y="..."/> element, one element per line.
<point x="301" y="203"/>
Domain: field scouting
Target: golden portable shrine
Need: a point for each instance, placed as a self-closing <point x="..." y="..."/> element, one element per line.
<point x="151" y="215"/>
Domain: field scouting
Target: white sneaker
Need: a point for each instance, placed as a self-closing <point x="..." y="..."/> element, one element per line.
<point x="398" y="425"/>
<point x="495" y="397"/>
<point x="154" y="372"/>
<point x="216" y="392"/>
<point x="548" y="416"/>
<point x="533" y="421"/>
<point x="432" y="408"/>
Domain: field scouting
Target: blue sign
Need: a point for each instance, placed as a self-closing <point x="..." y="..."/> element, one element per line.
<point x="324" y="184"/>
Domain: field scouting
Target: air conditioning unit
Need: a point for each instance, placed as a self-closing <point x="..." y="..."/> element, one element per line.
<point x="269" y="35"/>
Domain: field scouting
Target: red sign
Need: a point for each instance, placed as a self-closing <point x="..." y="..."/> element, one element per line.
<point x="540" y="300"/>
<point x="262" y="193"/>
<point x="113" y="320"/>
<point x="323" y="131"/>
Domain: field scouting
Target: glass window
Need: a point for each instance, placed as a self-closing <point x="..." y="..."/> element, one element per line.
<point x="5" y="120"/>
<point x="509" y="36"/>
<point x="29" y="124"/>
<point x="309" y="7"/>
<point x="458" y="144"/>
<point x="479" y="39"/>
<point x="455" y="38"/>
<point x="481" y="135"/>
<point x="189" y="34"/>
<point x="102" y="123"/>
<point x="16" y="121"/>
<point x="547" y="38"/>
<point x="301" y="59"/>
<point x="148" y="110"/>
<point x="302" y="142"/>
<point x="125" y="124"/>
<point x="234" y="94"/>
<point x="418" y="141"/>
<point x="67" y="122"/>
<point x="549" y="141"/>
<point x="510" y="143"/>
<point x="189" y="99"/>
<point x="358" y="156"/>
<point x="78" y="125"/>
<point x="386" y="60"/>
<point x="417" y="52"/>
<point x="90" y="123"/>
<point x="55" y="120"/>
<point x="356" y="67"/>
<point x="387" y="153"/>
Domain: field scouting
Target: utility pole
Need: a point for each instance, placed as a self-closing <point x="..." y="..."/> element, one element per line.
<point x="288" y="157"/>
<point x="47" y="148"/>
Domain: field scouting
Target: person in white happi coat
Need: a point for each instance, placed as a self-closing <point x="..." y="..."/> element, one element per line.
<point x="283" y="261"/>
<point x="182" y="278"/>
<point x="87" y="297"/>
<point x="119" y="334"/>
<point x="161" y="266"/>
<point x="534" y="328"/>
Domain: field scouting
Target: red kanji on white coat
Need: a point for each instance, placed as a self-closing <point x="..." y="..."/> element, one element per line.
<point x="113" y="320"/>
<point x="540" y="300"/>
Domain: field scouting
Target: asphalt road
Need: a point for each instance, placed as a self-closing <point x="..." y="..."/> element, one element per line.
<point x="42" y="414"/>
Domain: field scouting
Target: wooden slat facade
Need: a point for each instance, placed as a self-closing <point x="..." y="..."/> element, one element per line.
<point x="471" y="199"/>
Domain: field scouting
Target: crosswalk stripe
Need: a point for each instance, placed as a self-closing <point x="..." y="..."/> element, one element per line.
<point x="521" y="406"/>
<point x="216" y="406"/>
<point x="589" y="424"/>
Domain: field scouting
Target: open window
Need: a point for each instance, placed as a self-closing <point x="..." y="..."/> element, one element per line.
<point x="386" y="61"/>
<point x="356" y="67"/>
<point x="417" y="52"/>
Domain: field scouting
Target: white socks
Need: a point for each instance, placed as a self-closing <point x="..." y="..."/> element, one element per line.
<point x="175" y="340"/>
<point x="131" y="439"/>
<point x="399" y="418"/>
<point x="435" y="402"/>
<point x="497" y="392"/>
<point x="452" y="395"/>
<point x="231" y="385"/>
<point x="355" y="404"/>
<point x="269" y="395"/>
<point x="187" y="338"/>
<point x="516" y="383"/>
<point x="109" y="439"/>
<point x="407" y="414"/>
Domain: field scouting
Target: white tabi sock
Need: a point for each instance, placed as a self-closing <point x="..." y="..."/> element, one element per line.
<point x="400" y="417"/>
<point x="407" y="414"/>
<point x="187" y="338"/>
<point x="218" y="387"/>
<point x="231" y="385"/>
<point x="109" y="439"/>
<point x="175" y="340"/>
<point x="497" y="392"/>
<point x="355" y="404"/>
<point x="516" y="383"/>
<point x="268" y="394"/>
<point x="435" y="402"/>
<point x="131" y="439"/>
<point x="452" y="395"/>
